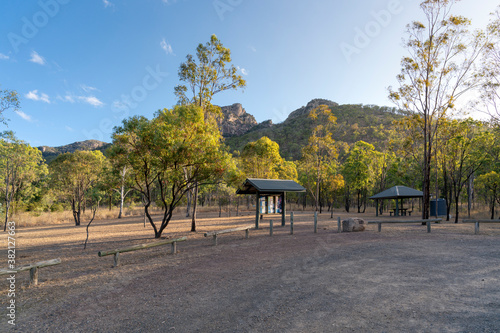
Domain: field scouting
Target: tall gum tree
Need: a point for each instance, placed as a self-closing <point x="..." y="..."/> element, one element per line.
<point x="207" y="75"/>
<point x="491" y="66"/>
<point x="320" y="153"/>
<point x="437" y="72"/>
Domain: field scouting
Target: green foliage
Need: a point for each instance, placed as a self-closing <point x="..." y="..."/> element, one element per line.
<point x="491" y="68"/>
<point x="371" y="123"/>
<point x="8" y="99"/>
<point x="262" y="159"/>
<point x="207" y="76"/>
<point x="438" y="70"/>
<point x="359" y="170"/>
<point x="75" y="176"/>
<point x="172" y="153"/>
<point x="20" y="166"/>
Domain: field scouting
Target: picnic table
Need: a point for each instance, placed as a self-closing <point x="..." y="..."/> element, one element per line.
<point x="402" y="211"/>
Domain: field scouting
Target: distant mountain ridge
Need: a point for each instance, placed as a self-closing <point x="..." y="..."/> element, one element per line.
<point x="355" y="122"/>
<point x="50" y="153"/>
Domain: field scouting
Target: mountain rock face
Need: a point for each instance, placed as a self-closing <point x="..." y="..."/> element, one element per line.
<point x="236" y="120"/>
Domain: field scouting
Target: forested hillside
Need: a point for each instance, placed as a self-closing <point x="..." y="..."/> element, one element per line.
<point x="355" y="122"/>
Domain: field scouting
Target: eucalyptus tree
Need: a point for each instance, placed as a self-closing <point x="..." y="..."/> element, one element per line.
<point x="437" y="72"/>
<point x="358" y="171"/>
<point x="158" y="151"/>
<point x="207" y="75"/>
<point x="320" y="153"/>
<point x="488" y="184"/>
<point x="20" y="165"/>
<point x="75" y="175"/>
<point x="491" y="65"/>
<point x="8" y="99"/>
<point x="262" y="159"/>
<point x="210" y="74"/>
<point x="466" y="150"/>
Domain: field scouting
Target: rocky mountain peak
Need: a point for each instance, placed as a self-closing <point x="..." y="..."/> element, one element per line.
<point x="236" y="120"/>
<point x="310" y="106"/>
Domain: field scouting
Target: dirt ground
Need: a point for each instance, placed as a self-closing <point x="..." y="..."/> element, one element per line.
<point x="402" y="279"/>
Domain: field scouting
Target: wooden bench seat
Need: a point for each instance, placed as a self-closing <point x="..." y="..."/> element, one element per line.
<point x="215" y="233"/>
<point x="476" y="222"/>
<point x="117" y="252"/>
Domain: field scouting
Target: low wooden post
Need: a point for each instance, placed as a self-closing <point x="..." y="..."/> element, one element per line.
<point x="339" y="227"/>
<point x="379" y="227"/>
<point x="215" y="240"/>
<point x="428" y="226"/>
<point x="247" y="232"/>
<point x="34" y="276"/>
<point x="174" y="247"/>
<point x="116" y="259"/>
<point x="291" y="223"/>
<point x="271" y="228"/>
<point x="476" y="228"/>
<point x="315" y="222"/>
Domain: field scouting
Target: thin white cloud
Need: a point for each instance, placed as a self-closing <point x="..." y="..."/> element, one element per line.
<point x="166" y="47"/>
<point x="88" y="89"/>
<point x="23" y="115"/>
<point x="252" y="48"/>
<point x="4" y="57"/>
<point x="69" y="98"/>
<point x="69" y="129"/>
<point x="107" y="3"/>
<point x="92" y="100"/>
<point x="36" y="58"/>
<point x="34" y="96"/>
<point x="242" y="70"/>
<point x="119" y="105"/>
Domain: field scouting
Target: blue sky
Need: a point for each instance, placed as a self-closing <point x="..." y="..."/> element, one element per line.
<point x="80" y="67"/>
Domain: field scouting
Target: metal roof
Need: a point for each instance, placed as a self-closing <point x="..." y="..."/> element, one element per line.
<point x="397" y="192"/>
<point x="269" y="186"/>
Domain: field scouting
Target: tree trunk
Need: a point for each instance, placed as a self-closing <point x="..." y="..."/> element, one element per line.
<point x="188" y="203"/>
<point x="195" y="207"/>
<point x="122" y="198"/>
<point x="492" y="207"/>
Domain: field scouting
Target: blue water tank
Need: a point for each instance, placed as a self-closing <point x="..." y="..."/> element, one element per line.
<point x="441" y="207"/>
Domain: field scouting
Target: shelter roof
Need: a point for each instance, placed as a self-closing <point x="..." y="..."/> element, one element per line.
<point x="397" y="192"/>
<point x="269" y="186"/>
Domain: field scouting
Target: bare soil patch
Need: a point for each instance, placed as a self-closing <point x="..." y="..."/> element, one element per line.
<point x="402" y="279"/>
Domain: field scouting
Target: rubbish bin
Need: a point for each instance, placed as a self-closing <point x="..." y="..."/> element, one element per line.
<point x="440" y="206"/>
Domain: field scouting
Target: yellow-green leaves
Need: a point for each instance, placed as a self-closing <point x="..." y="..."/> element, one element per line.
<point x="208" y="75"/>
<point x="262" y="159"/>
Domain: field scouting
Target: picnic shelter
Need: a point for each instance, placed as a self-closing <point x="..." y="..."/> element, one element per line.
<point x="399" y="193"/>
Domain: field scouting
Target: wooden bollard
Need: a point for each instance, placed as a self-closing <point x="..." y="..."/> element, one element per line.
<point x="34" y="276"/>
<point x="315" y="222"/>
<point x="428" y="226"/>
<point x="291" y="223"/>
<point x="339" y="227"/>
<point x="270" y="227"/>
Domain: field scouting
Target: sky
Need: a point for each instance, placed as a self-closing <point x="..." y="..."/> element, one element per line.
<point x="81" y="67"/>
